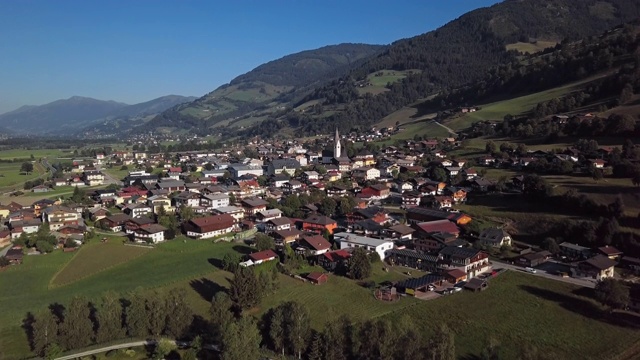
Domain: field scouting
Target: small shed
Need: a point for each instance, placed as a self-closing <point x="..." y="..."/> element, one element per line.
<point x="476" y="284"/>
<point x="318" y="278"/>
<point x="14" y="255"/>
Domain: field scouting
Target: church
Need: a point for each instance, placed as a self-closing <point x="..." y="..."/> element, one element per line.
<point x="335" y="157"/>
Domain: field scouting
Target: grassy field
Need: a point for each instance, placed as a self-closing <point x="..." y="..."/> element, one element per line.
<point x="37" y="153"/>
<point x="95" y="257"/>
<point x="552" y="315"/>
<point x="10" y="174"/>
<point x="26" y="287"/>
<point x="515" y="106"/>
<point x="527" y="47"/>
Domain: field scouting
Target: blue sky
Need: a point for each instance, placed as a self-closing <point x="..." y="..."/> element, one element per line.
<point x="134" y="51"/>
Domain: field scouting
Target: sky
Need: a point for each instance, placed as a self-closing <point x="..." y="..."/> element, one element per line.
<point x="135" y="51"/>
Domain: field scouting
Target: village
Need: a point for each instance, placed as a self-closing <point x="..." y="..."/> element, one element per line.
<point x="322" y="205"/>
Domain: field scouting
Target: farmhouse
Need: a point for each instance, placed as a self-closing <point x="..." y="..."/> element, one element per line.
<point x="316" y="244"/>
<point x="152" y="233"/>
<point x="210" y="226"/>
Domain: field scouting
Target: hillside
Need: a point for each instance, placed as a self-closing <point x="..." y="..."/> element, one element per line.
<point x="456" y="54"/>
<point x="68" y="115"/>
<point x="267" y="88"/>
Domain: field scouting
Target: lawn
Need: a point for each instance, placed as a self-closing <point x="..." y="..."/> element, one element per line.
<point x="95" y="257"/>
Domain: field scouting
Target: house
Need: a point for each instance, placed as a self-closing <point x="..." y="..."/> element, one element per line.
<point x="291" y="186"/>
<point x="437" y="226"/>
<point x="283" y="237"/>
<point x="400" y="232"/>
<point x="253" y="205"/>
<point x="472" y="261"/>
<point x="238" y="170"/>
<point x="93" y="177"/>
<point x="494" y="237"/>
<point x="279" y="166"/>
<point x="58" y="216"/>
<point x="214" y="201"/>
<point x="411" y="199"/>
<point x="114" y="222"/>
<point x="309" y="175"/>
<point x="210" y="226"/>
<point x="137" y="210"/>
<point x="337" y="190"/>
<point x="316" y="244"/>
<point x="534" y="259"/>
<point x="263" y="256"/>
<point x="171" y="185"/>
<point x="481" y="184"/>
<point x="159" y="203"/>
<point x="349" y="240"/>
<point x="188" y="199"/>
<point x="277" y="224"/>
<point x="365" y="173"/>
<point x="418" y="214"/>
<point x="598" y="267"/>
<point x="234" y="211"/>
<point x="377" y="191"/>
<point x="152" y="233"/>
<point x="40" y="189"/>
<point x="610" y="252"/>
<point x="332" y="260"/>
<point x="279" y="180"/>
<point x="266" y="215"/>
<point x="318" y="278"/>
<point x="469" y="174"/>
<point x="366" y="227"/>
<point x="452" y="171"/>
<point x="459" y="196"/>
<point x="318" y="224"/>
<point x="574" y="251"/>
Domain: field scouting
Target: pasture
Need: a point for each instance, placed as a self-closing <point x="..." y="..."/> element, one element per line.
<point x="531" y="47"/>
<point x="10" y="175"/>
<point x="37" y="153"/>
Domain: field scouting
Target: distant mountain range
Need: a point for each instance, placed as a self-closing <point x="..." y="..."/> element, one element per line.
<point x="70" y="115"/>
<point x="272" y="100"/>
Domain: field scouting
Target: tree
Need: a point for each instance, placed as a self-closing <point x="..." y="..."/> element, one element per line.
<point x="179" y="314"/>
<point x="276" y="329"/>
<point x="296" y="326"/>
<point x="551" y="245"/>
<point x="186" y="213"/>
<point x="490" y="147"/>
<point x="264" y="242"/>
<point x="221" y="315"/>
<point x="45" y="331"/>
<point x="359" y="264"/>
<point x="327" y="206"/>
<point x="26" y="167"/>
<point x="52" y="351"/>
<point x="346" y="205"/>
<point x="241" y="340"/>
<point x="245" y="290"/>
<point x="156" y="313"/>
<point x="163" y="348"/>
<point x="230" y="262"/>
<point x="109" y="317"/>
<point x="536" y="187"/>
<point x="442" y="345"/>
<point x="136" y="319"/>
<point x="315" y="352"/>
<point x="439" y="174"/>
<point x="616" y="208"/>
<point x="76" y="331"/>
<point x="612" y="293"/>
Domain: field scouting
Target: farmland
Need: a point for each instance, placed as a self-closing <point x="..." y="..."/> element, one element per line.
<point x="10" y="175"/>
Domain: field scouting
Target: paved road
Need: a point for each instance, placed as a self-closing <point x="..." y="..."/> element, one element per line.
<point x="545" y="274"/>
<point x="128" y="345"/>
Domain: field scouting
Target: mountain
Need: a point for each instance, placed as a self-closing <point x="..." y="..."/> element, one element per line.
<point x="267" y="88"/>
<point x="64" y="116"/>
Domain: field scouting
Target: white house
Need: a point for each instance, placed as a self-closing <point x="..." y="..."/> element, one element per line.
<point x="349" y="240"/>
<point x="153" y="233"/>
<point x="214" y="201"/>
<point x="494" y="237"/>
<point x="366" y="173"/>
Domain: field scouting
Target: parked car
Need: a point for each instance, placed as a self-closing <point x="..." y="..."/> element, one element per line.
<point x="531" y="270"/>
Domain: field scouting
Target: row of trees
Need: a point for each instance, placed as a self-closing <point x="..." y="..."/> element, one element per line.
<point x="82" y="323"/>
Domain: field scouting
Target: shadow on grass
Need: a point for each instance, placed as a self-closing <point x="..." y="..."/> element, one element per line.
<point x="216" y="262"/>
<point x="206" y="288"/>
<point x="585" y="307"/>
<point x="27" y="326"/>
<point x="243" y="250"/>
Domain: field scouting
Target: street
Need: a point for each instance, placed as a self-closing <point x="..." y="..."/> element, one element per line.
<point x="545" y="272"/>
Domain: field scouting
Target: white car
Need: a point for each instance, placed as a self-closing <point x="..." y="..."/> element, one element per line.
<point x="531" y="270"/>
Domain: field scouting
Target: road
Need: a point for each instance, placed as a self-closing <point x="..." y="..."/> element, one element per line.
<point x="128" y="345"/>
<point x="450" y="130"/>
<point x="108" y="179"/>
<point x="542" y="273"/>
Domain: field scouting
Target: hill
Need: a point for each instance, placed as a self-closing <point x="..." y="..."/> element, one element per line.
<point x="458" y="53"/>
<point x="66" y="116"/>
<point x="266" y="89"/>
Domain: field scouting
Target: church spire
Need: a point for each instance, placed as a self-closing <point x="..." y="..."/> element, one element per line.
<point x="337" y="149"/>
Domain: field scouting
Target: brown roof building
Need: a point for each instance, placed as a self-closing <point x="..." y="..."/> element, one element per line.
<point x="209" y="226"/>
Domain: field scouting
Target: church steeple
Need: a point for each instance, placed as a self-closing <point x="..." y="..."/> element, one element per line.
<point x="337" y="149"/>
